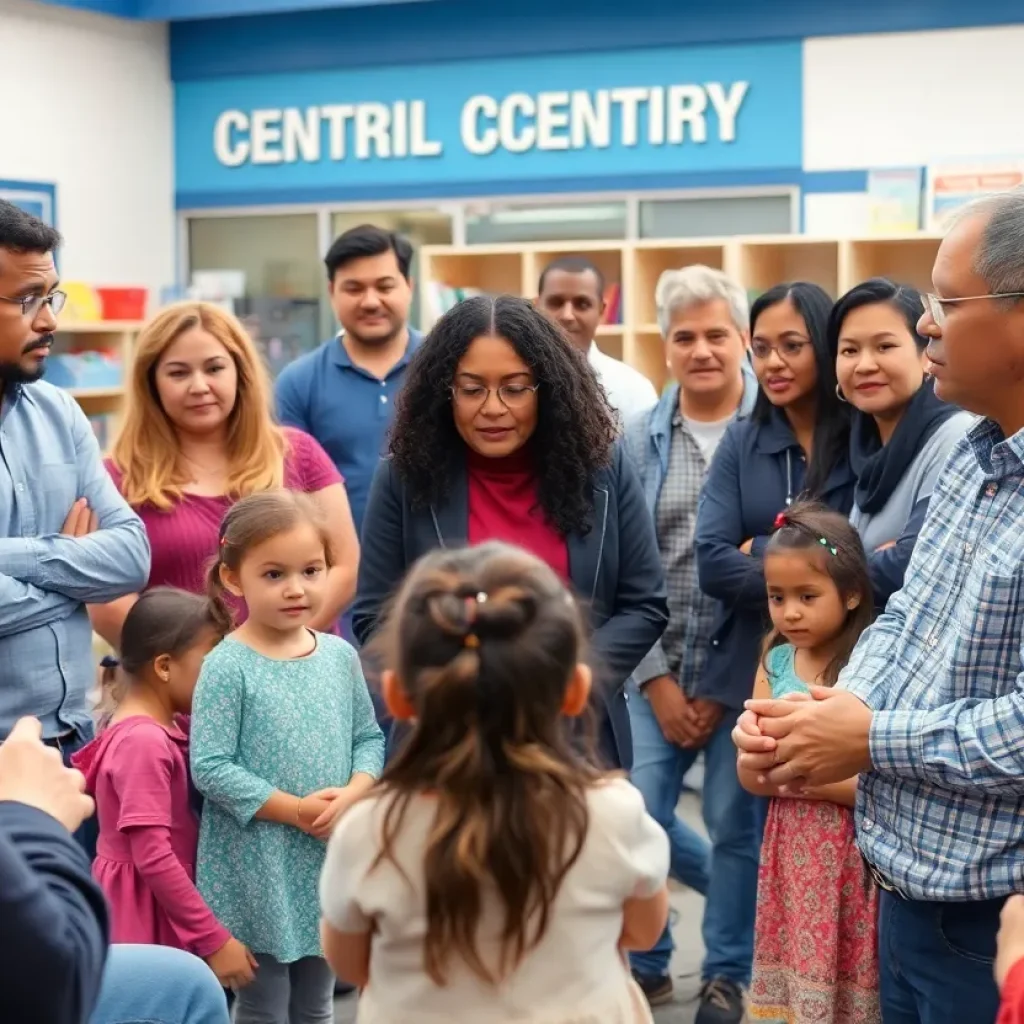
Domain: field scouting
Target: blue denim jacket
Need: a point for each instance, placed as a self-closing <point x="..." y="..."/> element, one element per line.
<point x="648" y="435"/>
<point x="49" y="458"/>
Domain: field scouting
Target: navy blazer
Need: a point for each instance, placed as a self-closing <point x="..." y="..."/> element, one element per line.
<point x="758" y="469"/>
<point x="615" y="570"/>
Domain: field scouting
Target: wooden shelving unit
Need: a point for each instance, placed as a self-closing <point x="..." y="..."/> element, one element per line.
<point x="757" y="262"/>
<point x="101" y="335"/>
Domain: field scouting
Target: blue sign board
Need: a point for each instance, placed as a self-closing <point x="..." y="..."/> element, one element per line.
<point x="427" y="129"/>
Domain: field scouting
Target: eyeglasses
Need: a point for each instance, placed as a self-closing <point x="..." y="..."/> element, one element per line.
<point x="786" y="350"/>
<point x="512" y="396"/>
<point x="32" y="304"/>
<point x="936" y="307"/>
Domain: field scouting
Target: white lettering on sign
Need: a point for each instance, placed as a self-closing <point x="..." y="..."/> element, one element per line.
<point x="673" y="115"/>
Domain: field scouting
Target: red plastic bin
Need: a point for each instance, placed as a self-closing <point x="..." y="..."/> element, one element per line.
<point x="123" y="303"/>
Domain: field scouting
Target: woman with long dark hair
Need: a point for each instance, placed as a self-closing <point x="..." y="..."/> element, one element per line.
<point x="795" y="444"/>
<point x="502" y="432"/>
<point x="901" y="433"/>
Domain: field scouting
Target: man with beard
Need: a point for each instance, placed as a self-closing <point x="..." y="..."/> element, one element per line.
<point x="343" y="393"/>
<point x="67" y="536"/>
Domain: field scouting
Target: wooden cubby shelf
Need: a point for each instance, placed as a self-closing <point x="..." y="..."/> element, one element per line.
<point x="448" y="273"/>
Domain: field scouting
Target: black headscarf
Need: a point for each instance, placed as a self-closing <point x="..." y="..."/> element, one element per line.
<point x="879" y="468"/>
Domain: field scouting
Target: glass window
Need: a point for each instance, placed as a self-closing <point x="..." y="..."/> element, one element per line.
<point x="420" y="226"/>
<point x="508" y="223"/>
<point x="718" y="217"/>
<point x="268" y="268"/>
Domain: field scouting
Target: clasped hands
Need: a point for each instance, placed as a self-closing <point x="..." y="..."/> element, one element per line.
<point x="319" y="812"/>
<point x="688" y="722"/>
<point x="804" y="739"/>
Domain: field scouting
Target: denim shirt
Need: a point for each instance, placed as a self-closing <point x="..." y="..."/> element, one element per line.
<point x="49" y="458"/>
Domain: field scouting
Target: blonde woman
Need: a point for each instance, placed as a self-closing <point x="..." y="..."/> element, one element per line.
<point x="199" y="434"/>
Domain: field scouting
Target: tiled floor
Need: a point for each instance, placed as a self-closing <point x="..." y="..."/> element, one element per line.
<point x="685" y="965"/>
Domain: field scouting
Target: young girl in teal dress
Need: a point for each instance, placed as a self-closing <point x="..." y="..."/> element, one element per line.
<point x="284" y="740"/>
<point x="815" y="947"/>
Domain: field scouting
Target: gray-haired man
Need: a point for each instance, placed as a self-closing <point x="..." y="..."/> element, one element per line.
<point x="703" y="318"/>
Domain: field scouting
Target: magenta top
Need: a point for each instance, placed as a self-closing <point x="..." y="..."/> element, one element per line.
<point x="137" y="771"/>
<point x="184" y="538"/>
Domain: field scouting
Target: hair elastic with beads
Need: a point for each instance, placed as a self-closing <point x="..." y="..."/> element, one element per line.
<point x="471" y="640"/>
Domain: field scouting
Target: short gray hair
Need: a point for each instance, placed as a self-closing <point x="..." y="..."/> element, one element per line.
<point x="999" y="261"/>
<point x="695" y="285"/>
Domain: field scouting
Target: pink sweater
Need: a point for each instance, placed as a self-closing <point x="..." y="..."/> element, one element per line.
<point x="137" y="770"/>
<point x="184" y="539"/>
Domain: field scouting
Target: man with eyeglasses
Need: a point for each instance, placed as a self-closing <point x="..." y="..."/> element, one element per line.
<point x="930" y="709"/>
<point x="68" y="537"/>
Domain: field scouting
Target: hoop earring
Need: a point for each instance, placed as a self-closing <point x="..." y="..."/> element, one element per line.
<point x="840" y="396"/>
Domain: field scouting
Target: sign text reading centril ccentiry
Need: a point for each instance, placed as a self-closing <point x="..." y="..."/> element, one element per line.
<point x="517" y="123"/>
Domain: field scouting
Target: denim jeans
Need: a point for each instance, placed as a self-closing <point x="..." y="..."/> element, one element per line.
<point x="724" y="872"/>
<point x="158" y="985"/>
<point x="935" y="961"/>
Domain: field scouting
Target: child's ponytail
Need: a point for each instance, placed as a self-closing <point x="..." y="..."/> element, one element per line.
<point x="216" y="593"/>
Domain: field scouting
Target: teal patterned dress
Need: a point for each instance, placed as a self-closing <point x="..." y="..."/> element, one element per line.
<point x="260" y="724"/>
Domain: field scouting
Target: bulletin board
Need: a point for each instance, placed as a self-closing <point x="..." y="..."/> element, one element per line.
<point x="35" y="197"/>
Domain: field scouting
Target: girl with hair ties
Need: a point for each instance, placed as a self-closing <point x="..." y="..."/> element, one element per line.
<point x="493" y="874"/>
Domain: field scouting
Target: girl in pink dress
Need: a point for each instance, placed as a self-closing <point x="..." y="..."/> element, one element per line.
<point x="198" y="435"/>
<point x="137" y="772"/>
<point x="815" y="947"/>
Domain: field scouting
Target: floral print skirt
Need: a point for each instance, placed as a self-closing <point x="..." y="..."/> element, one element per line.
<point x="816" y="942"/>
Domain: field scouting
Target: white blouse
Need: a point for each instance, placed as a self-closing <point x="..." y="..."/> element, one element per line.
<point x="576" y="975"/>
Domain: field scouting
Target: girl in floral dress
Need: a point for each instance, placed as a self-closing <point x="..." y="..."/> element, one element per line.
<point x="815" y="946"/>
<point x="284" y="740"/>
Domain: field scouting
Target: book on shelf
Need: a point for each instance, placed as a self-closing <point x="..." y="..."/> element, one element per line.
<point x="613" y="304"/>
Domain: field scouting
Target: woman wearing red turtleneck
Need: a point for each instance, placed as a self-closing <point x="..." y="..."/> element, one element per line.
<point x="502" y="432"/>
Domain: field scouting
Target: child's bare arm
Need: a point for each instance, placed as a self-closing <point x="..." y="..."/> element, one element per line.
<point x="843" y="793"/>
<point x="643" y="921"/>
<point x="748" y="779"/>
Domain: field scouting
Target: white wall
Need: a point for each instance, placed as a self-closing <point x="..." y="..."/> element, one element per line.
<point x="907" y="100"/>
<point x="913" y="98"/>
<point x="87" y="107"/>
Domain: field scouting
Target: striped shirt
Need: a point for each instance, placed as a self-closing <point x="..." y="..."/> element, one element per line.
<point x="941" y="816"/>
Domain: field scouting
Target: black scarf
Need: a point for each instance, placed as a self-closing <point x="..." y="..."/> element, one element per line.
<point x="879" y="468"/>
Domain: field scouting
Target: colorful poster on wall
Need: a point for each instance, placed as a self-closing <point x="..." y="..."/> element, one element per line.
<point x="894" y="200"/>
<point x="37" y="198"/>
<point x="951" y="186"/>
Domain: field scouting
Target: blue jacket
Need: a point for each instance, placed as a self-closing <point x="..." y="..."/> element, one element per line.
<point x="649" y="435"/>
<point x="757" y="470"/>
<point x="615" y="570"/>
<point x="53" y="921"/>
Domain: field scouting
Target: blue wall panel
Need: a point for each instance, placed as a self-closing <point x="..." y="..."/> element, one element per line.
<point x="468" y="29"/>
<point x="765" y="134"/>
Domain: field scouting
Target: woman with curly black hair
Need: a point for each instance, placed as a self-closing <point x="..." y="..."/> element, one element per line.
<point x="502" y="432"/>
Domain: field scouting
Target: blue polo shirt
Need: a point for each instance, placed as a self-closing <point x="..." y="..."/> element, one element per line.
<point x="346" y="408"/>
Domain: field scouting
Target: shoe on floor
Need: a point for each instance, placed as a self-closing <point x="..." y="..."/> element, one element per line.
<point x="721" y="1002"/>
<point x="657" y="988"/>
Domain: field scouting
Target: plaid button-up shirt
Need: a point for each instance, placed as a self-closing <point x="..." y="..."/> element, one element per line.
<point x="942" y="814"/>
<point x="682" y="649"/>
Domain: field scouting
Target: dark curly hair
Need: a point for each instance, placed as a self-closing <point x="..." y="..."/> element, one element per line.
<point x="576" y="427"/>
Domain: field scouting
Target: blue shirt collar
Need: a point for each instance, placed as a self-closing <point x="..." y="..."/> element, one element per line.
<point x="776" y="435"/>
<point x="998" y="456"/>
<point x="340" y="356"/>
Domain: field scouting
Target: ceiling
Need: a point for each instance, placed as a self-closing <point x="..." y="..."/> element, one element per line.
<point x="191" y="10"/>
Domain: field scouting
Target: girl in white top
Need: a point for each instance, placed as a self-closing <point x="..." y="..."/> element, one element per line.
<point x="491" y="875"/>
